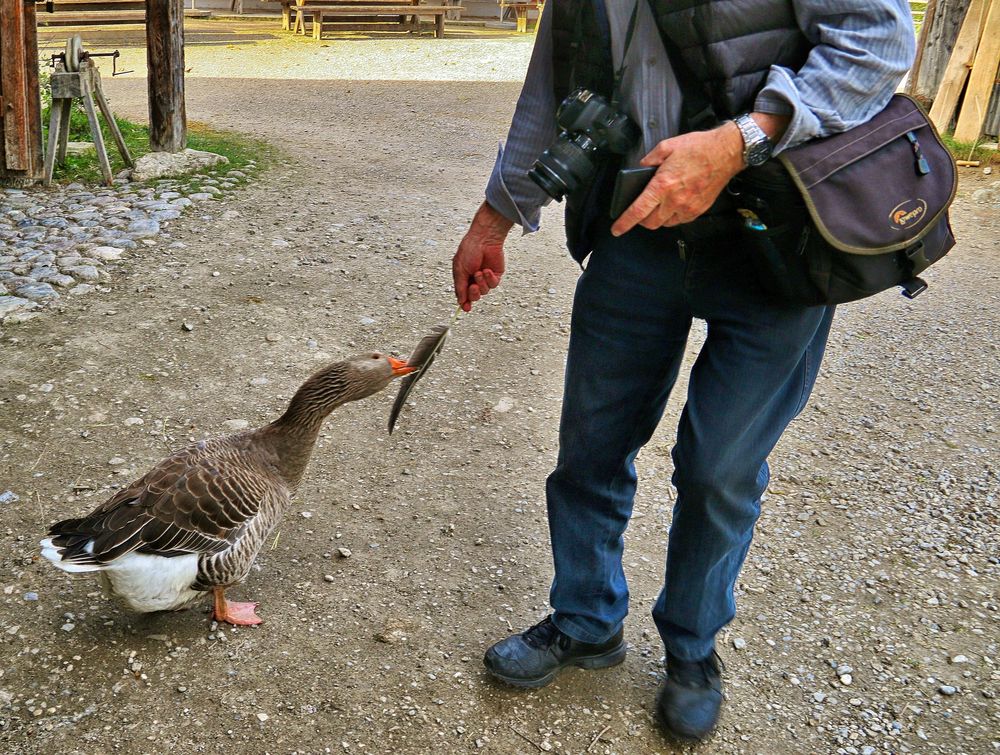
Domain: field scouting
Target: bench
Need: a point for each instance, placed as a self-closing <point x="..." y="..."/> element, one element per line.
<point x="365" y="15"/>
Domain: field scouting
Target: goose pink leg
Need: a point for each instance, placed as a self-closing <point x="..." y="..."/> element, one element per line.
<point x="238" y="614"/>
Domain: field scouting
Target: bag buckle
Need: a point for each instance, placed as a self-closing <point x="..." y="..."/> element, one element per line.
<point x="913" y="287"/>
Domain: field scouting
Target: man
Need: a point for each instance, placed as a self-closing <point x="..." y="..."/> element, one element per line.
<point x="777" y="73"/>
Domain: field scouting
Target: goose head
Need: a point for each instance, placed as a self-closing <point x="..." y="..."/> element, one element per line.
<point x="362" y="375"/>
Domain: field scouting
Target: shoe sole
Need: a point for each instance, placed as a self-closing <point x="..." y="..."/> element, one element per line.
<point x="608" y="659"/>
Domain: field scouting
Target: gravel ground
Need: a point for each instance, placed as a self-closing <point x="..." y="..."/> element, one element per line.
<point x="868" y="605"/>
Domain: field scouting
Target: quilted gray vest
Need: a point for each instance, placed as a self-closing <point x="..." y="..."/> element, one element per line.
<point x="731" y="45"/>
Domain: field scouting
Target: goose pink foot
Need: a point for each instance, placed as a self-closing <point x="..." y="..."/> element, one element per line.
<point x="238" y="614"/>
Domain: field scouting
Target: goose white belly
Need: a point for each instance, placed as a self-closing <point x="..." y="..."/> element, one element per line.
<point x="153" y="583"/>
<point x="145" y="582"/>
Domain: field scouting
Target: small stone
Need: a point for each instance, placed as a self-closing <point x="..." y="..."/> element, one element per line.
<point x="116" y="461"/>
<point x="262" y="717"/>
<point x="236" y="425"/>
<point x="36" y="292"/>
<point x="739" y="643"/>
<point x="68" y="626"/>
<point x="504" y="405"/>
<point x="84" y="273"/>
<point x="306" y="514"/>
<point x="344" y="552"/>
<point x="133" y="421"/>
<point x="31" y="596"/>
<point x="819" y="697"/>
<point x="328" y="578"/>
<point x="959" y="659"/>
<point x="12" y="304"/>
<point x="947" y="690"/>
<point x="846" y="680"/>
<point x="106" y="253"/>
<point x="187" y="326"/>
<point x="143" y="229"/>
<point x="367" y="321"/>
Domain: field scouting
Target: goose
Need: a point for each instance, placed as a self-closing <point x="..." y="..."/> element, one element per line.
<point x="197" y="520"/>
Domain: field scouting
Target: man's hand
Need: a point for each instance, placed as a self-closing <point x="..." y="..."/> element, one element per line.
<point x="693" y="170"/>
<point x="478" y="264"/>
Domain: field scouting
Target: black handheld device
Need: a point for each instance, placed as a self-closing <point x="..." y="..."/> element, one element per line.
<point x="629" y="184"/>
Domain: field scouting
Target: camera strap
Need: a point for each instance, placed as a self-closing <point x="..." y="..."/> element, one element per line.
<point x="620" y="72"/>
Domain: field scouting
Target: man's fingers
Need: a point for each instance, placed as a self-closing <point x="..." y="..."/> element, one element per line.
<point x="640" y="209"/>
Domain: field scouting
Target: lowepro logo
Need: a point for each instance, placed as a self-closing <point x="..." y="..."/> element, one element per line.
<point x="907" y="213"/>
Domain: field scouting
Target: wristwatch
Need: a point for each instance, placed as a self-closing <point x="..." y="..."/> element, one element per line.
<point x="756" y="144"/>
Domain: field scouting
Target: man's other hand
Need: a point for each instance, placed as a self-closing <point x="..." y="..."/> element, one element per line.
<point x="478" y="264"/>
<point x="692" y="171"/>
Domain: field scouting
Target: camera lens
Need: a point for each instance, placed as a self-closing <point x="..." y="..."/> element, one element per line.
<point x="567" y="164"/>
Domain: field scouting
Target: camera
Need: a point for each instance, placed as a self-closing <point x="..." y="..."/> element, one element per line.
<point x="589" y="129"/>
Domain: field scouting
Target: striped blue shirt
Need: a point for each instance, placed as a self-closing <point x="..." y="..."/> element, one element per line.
<point x="862" y="49"/>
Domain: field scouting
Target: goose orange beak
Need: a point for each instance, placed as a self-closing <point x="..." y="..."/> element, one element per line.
<point x="399" y="367"/>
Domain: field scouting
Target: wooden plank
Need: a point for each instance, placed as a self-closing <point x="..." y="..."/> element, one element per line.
<point x="925" y="27"/>
<point x="165" y="64"/>
<point x="981" y="82"/>
<point x="957" y="71"/>
<point x="94" y="17"/>
<point x="943" y="31"/>
<point x="33" y="115"/>
<point x="374" y="10"/>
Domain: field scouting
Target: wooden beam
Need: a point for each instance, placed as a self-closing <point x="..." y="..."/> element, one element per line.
<point x="165" y="63"/>
<point x="20" y="116"/>
<point x="959" y="63"/>
<point x="982" y="80"/>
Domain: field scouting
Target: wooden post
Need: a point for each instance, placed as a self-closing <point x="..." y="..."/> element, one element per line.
<point x="165" y="62"/>
<point x="20" y="107"/>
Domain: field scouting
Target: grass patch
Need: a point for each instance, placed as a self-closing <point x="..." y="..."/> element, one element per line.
<point x="245" y="154"/>
<point x="967" y="151"/>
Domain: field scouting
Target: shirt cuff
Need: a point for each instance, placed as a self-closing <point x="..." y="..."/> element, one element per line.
<point x="781" y="97"/>
<point x="499" y="198"/>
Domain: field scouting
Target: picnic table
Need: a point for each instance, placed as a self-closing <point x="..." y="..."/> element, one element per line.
<point x="363" y="15"/>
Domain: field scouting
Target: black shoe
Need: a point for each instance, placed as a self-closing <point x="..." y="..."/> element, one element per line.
<point x="534" y="657"/>
<point x="691" y="697"/>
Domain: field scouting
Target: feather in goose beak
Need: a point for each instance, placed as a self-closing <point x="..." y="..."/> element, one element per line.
<point x="419" y="360"/>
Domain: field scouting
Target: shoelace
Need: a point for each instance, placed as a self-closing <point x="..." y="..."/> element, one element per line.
<point x="542" y="635"/>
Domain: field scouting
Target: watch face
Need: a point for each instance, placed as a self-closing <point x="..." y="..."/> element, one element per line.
<point x="758" y="153"/>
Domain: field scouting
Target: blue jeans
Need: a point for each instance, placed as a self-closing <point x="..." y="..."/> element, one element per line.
<point x="632" y="312"/>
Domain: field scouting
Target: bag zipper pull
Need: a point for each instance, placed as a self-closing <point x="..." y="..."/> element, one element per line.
<point x="923" y="167"/>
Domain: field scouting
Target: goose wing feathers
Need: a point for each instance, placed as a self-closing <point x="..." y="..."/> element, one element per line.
<point x="199" y="500"/>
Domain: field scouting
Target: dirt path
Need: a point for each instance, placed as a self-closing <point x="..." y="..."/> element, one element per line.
<point x="877" y="548"/>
